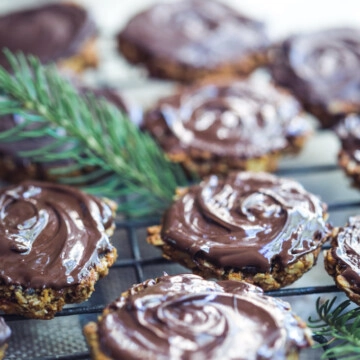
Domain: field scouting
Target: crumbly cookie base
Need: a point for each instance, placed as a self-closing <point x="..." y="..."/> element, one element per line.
<point x="350" y="166"/>
<point x="86" y="57"/>
<point x="328" y="116"/>
<point x="336" y="268"/>
<point x="91" y="335"/>
<point x="44" y="303"/>
<point x="205" y="163"/>
<point x="2" y="351"/>
<point x="278" y="277"/>
<point x="166" y="69"/>
<point x="15" y="170"/>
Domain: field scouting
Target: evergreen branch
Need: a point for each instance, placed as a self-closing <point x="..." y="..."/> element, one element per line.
<point x="124" y="161"/>
<point x="340" y="326"/>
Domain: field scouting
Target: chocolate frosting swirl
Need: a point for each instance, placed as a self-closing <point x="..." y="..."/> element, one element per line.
<point x="247" y="221"/>
<point x="345" y="250"/>
<point x="187" y="317"/>
<point x="236" y="120"/>
<point x="321" y="68"/>
<point x="348" y="131"/>
<point x="51" y="235"/>
<point x="5" y="332"/>
<point x="195" y="33"/>
<point x="50" y="32"/>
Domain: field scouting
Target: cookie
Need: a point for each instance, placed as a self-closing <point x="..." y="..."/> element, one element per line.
<point x="348" y="132"/>
<point x="5" y="334"/>
<point x="321" y="69"/>
<point x="187" y="317"/>
<point x="63" y="33"/>
<point x="192" y="39"/>
<point x="342" y="259"/>
<point x="54" y="246"/>
<point x="218" y="127"/>
<point x="249" y="226"/>
<point x="15" y="168"/>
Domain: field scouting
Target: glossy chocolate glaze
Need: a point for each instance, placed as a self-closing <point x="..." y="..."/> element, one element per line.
<point x="236" y="120"/>
<point x="5" y="332"/>
<point x="51" y="235"/>
<point x="348" y="131"/>
<point x="195" y="33"/>
<point x="187" y="317"/>
<point x="249" y="221"/>
<point x="346" y="251"/>
<point x="50" y="32"/>
<point x="321" y="68"/>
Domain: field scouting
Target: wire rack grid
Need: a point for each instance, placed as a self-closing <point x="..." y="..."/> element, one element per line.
<point x="315" y="168"/>
<point x="62" y="338"/>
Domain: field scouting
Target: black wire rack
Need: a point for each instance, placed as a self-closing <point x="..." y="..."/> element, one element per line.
<point x="62" y="338"/>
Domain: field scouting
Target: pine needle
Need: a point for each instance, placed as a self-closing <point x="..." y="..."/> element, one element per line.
<point x="340" y="326"/>
<point x="124" y="161"/>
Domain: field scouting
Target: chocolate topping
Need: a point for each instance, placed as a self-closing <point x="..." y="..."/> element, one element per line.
<point x="50" y="32"/>
<point x="187" y="317"/>
<point x="348" y="131"/>
<point x="235" y="120"/>
<point x="5" y="332"/>
<point x="195" y="33"/>
<point x="321" y="68"/>
<point x="346" y="251"/>
<point x="50" y="235"/>
<point x="247" y="221"/>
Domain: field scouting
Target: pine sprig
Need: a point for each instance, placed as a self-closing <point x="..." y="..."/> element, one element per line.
<point x="124" y="161"/>
<point x="340" y="326"/>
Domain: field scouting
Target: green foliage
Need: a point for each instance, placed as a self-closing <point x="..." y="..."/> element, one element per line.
<point x="101" y="149"/>
<point x="340" y="326"/>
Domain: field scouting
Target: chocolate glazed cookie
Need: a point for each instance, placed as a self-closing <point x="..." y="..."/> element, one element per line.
<point x="240" y="125"/>
<point x="190" y="39"/>
<point x="54" y="245"/>
<point x="247" y="226"/>
<point x="342" y="259"/>
<point x="187" y="317"/>
<point x="321" y="69"/>
<point x="61" y="33"/>
<point x="348" y="132"/>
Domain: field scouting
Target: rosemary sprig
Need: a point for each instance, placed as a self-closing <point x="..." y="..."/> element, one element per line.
<point x="125" y="162"/>
<point x="340" y="326"/>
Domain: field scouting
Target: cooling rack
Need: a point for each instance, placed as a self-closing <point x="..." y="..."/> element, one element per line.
<point x="62" y="338"/>
<point x="315" y="168"/>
